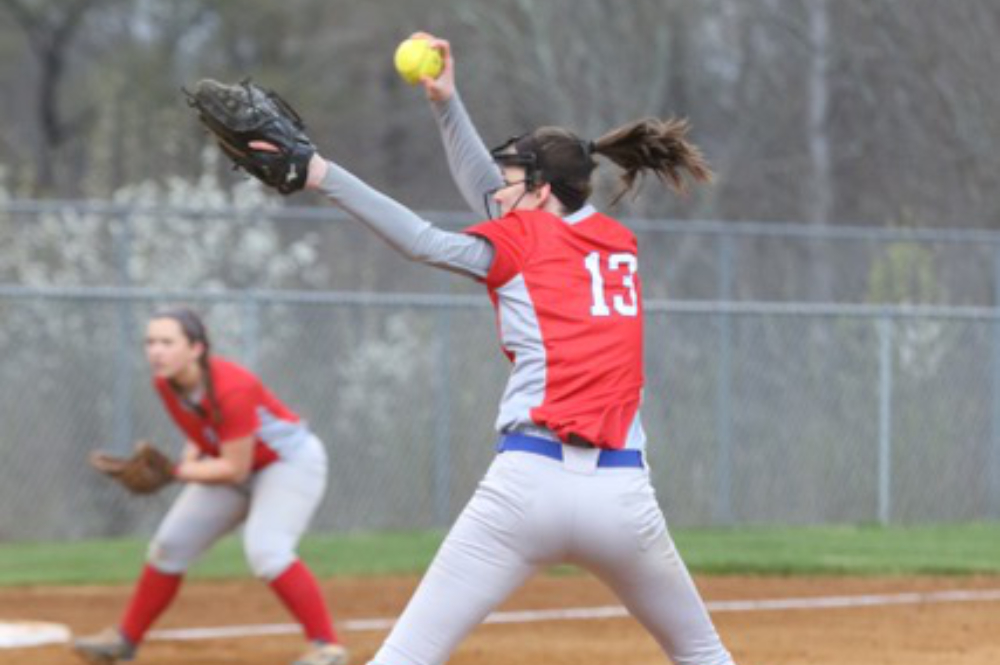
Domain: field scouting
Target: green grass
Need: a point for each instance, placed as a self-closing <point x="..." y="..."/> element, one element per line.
<point x="118" y="560"/>
<point x="959" y="549"/>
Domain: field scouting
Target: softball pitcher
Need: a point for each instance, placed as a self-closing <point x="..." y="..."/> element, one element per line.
<point x="570" y="482"/>
<point x="248" y="459"/>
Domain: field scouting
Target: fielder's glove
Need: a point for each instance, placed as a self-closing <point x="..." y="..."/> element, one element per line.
<point x="245" y="112"/>
<point x="145" y="471"/>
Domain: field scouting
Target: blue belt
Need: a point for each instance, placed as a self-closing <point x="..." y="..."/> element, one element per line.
<point x="539" y="446"/>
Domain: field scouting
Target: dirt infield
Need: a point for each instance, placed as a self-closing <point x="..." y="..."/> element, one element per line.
<point x="879" y="621"/>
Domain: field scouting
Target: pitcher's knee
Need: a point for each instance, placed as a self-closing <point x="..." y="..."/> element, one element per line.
<point x="169" y="556"/>
<point x="267" y="561"/>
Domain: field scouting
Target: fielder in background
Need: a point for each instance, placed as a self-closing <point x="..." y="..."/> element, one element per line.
<point x="570" y="482"/>
<point x="248" y="459"/>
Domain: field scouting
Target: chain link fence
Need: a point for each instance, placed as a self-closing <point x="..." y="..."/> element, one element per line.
<point x="762" y="407"/>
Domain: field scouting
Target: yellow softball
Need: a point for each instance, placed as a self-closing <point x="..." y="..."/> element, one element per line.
<point x="416" y="58"/>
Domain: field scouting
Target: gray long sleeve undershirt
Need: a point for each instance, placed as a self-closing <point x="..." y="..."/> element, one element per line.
<point x="405" y="231"/>
<point x="472" y="167"/>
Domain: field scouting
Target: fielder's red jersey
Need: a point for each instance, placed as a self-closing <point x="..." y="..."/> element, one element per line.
<point x="246" y="408"/>
<point x="569" y="312"/>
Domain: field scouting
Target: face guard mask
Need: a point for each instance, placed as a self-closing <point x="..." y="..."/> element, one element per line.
<point x="506" y="154"/>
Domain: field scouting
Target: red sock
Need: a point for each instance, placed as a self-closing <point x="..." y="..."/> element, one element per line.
<point x="298" y="590"/>
<point x="152" y="594"/>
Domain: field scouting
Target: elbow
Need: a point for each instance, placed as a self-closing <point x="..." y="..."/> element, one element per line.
<point x="421" y="248"/>
<point x="419" y="256"/>
<point x="238" y="476"/>
<point x="410" y="252"/>
<point x="235" y="474"/>
<point x="411" y="249"/>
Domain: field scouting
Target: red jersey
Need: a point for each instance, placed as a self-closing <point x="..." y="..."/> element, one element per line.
<point x="569" y="312"/>
<point x="246" y="408"/>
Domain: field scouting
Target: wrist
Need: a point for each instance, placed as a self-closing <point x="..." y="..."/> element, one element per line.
<point x="317" y="171"/>
<point x="440" y="96"/>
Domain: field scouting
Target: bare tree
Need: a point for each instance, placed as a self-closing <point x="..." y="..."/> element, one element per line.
<point x="50" y="28"/>
<point x="591" y="65"/>
<point x="821" y="195"/>
<point x="874" y="111"/>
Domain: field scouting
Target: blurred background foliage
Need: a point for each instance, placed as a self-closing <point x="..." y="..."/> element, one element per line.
<point x="814" y="113"/>
<point x="876" y="112"/>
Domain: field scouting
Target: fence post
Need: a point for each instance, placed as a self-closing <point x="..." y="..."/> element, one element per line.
<point x="122" y="390"/>
<point x="442" y="417"/>
<point x="885" y="331"/>
<point x="993" y="472"/>
<point x="724" y="387"/>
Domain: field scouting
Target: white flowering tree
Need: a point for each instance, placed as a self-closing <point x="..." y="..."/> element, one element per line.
<point x="73" y="371"/>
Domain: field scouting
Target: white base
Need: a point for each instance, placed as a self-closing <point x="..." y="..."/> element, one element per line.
<point x="15" y="634"/>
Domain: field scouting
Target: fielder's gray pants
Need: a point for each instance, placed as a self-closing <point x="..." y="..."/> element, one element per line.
<point x="277" y="504"/>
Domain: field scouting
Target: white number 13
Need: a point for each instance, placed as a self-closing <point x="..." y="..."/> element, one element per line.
<point x="626" y="306"/>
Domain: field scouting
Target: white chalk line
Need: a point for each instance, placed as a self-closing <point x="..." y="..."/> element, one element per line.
<point x="610" y="612"/>
<point x="578" y="614"/>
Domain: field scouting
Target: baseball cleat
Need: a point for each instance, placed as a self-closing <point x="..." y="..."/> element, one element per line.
<point x="323" y="654"/>
<point x="105" y="648"/>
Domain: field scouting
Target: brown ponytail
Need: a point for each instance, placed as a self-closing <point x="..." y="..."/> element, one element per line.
<point x="195" y="331"/>
<point x="654" y="145"/>
<point x="557" y="156"/>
